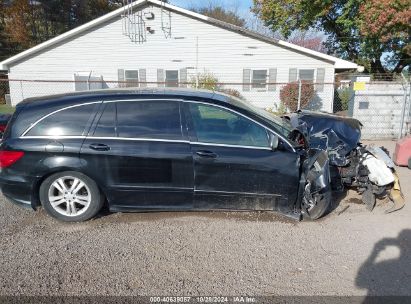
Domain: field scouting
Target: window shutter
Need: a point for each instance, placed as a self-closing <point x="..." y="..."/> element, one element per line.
<point x="320" y="79"/>
<point x="160" y="78"/>
<point x="121" y="83"/>
<point x="292" y="76"/>
<point x="142" y="78"/>
<point x="246" y="80"/>
<point x="272" y="79"/>
<point x="183" y="78"/>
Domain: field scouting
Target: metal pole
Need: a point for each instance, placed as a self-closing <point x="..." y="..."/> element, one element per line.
<point x="197" y="81"/>
<point x="88" y="81"/>
<point x="299" y="95"/>
<point x="407" y="121"/>
<point x="404" y="106"/>
<point x="21" y="90"/>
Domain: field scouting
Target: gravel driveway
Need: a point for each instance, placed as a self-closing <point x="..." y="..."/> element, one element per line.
<point x="349" y="252"/>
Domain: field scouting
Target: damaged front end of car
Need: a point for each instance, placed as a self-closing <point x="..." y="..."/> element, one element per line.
<point x="334" y="159"/>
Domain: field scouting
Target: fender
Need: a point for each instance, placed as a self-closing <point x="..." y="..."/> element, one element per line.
<point x="321" y="178"/>
<point x="54" y="164"/>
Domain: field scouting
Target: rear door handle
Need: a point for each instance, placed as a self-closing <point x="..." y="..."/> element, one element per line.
<point x="206" y="154"/>
<point x="99" y="147"/>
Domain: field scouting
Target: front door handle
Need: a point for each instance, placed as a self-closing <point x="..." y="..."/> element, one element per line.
<point x="99" y="147"/>
<point x="206" y="154"/>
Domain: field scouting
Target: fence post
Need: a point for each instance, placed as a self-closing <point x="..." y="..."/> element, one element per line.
<point x="404" y="106"/>
<point x="409" y="107"/>
<point x="299" y="95"/>
<point x="21" y="90"/>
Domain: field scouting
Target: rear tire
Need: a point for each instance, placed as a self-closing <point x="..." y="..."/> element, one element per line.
<point x="70" y="196"/>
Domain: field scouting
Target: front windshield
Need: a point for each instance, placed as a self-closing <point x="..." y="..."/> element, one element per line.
<point x="281" y="125"/>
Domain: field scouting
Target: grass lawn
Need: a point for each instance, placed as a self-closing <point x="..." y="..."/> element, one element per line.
<point x="6" y="109"/>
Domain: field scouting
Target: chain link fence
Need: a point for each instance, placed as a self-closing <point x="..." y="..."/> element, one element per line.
<point x="382" y="107"/>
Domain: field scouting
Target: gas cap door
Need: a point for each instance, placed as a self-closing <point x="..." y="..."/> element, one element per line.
<point x="54" y="146"/>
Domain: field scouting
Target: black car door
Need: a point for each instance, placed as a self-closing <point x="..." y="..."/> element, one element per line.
<point x="234" y="165"/>
<point x="139" y="152"/>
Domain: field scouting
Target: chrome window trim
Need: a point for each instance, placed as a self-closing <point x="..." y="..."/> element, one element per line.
<point x="88" y="103"/>
<point x="245" y="116"/>
<point x="53" y="137"/>
<point x="230" y="146"/>
<point x="140" y="139"/>
<point x="54" y="112"/>
<point x="145" y="99"/>
<point x="108" y="137"/>
<point x="152" y="139"/>
<point x="144" y="139"/>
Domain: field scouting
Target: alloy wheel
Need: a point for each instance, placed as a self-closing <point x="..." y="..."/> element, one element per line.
<point x="69" y="196"/>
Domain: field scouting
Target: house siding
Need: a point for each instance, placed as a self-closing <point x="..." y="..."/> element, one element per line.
<point x="104" y="50"/>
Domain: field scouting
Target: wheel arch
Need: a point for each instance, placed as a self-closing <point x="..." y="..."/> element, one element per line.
<point x="35" y="202"/>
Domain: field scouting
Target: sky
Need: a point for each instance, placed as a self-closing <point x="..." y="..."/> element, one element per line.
<point x="241" y="6"/>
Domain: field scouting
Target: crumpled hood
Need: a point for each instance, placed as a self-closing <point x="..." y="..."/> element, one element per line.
<point x="337" y="135"/>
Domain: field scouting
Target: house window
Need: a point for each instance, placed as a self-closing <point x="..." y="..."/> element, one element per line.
<point x="172" y="78"/>
<point x="306" y="74"/>
<point x="131" y="78"/>
<point x="259" y="79"/>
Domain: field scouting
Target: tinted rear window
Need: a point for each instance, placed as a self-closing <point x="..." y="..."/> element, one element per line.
<point x="68" y="122"/>
<point x="106" y="126"/>
<point x="149" y="119"/>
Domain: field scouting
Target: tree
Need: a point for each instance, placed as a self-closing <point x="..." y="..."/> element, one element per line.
<point x="350" y="25"/>
<point x="389" y="23"/>
<point x="308" y="39"/>
<point x="25" y="23"/>
<point x="17" y="23"/>
<point x="220" y="13"/>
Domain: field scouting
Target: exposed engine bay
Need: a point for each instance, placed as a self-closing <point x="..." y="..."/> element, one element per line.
<point x="345" y="161"/>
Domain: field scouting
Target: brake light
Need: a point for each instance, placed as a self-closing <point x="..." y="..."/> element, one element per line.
<point x="3" y="128"/>
<point x="7" y="158"/>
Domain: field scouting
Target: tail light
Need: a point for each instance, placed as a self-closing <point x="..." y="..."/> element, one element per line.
<point x="7" y="158"/>
<point x="2" y="128"/>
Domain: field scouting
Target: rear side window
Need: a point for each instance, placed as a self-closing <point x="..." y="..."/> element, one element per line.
<point x="68" y="122"/>
<point x="106" y="126"/>
<point x="155" y="119"/>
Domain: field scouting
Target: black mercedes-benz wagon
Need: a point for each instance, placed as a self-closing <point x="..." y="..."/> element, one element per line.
<point x="153" y="150"/>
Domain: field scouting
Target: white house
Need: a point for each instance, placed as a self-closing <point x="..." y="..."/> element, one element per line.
<point x="149" y="41"/>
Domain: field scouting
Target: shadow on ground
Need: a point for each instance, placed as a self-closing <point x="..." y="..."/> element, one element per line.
<point x="387" y="271"/>
<point x="249" y="216"/>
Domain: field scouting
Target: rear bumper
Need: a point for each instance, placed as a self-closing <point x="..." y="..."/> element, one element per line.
<point x="23" y="204"/>
<point x="19" y="193"/>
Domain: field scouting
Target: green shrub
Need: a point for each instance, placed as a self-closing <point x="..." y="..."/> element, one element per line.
<point x="342" y="99"/>
<point x="205" y="81"/>
<point x="289" y="95"/>
<point x="278" y="110"/>
<point x="231" y="92"/>
<point x="209" y="81"/>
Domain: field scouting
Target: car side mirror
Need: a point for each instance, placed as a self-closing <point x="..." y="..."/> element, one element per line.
<point x="273" y="142"/>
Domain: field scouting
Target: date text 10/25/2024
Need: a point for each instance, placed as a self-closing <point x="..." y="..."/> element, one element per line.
<point x="233" y="299"/>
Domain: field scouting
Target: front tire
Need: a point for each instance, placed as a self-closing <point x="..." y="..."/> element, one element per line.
<point x="318" y="205"/>
<point x="70" y="196"/>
